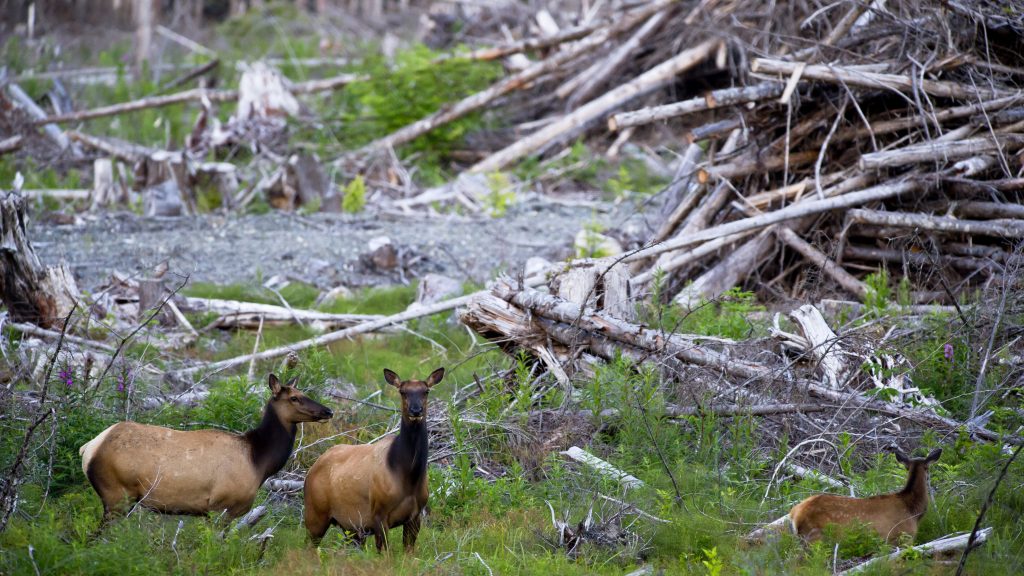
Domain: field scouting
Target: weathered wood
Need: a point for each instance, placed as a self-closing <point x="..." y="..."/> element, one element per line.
<point x="235" y="314"/>
<point x="526" y="44"/>
<point x="599" y="73"/>
<point x="941" y="152"/>
<point x="741" y="410"/>
<point x="799" y="210"/>
<point x="195" y="95"/>
<point x="650" y="80"/>
<point x="819" y="259"/>
<point x="710" y="101"/>
<point x="682" y="194"/>
<point x="602" y="467"/>
<point x="727" y="273"/>
<point x="933" y="548"/>
<point x="33" y="294"/>
<point x="595" y="331"/>
<point x="10" y="144"/>
<point x="824" y="344"/>
<point x="676" y="260"/>
<point x="747" y="165"/>
<point x="32" y="109"/>
<point x="515" y="82"/>
<point x="853" y="252"/>
<point x="976" y="209"/>
<point x="875" y="80"/>
<point x="1003" y="228"/>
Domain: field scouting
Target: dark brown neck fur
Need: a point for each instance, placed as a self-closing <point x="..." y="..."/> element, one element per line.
<point x="407" y="456"/>
<point x="915" y="493"/>
<point x="271" y="443"/>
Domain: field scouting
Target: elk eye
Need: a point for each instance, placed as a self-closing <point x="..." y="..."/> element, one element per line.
<point x="294" y="398"/>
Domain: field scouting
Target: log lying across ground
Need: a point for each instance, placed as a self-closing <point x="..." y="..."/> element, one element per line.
<point x="526" y="316"/>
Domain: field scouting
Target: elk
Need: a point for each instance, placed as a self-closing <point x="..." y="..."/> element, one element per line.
<point x="890" y="515"/>
<point x="371" y="488"/>
<point x="198" y="471"/>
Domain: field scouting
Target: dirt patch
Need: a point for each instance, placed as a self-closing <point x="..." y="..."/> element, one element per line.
<point x="323" y="250"/>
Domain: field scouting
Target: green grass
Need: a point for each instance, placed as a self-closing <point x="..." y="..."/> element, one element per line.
<point x="706" y="477"/>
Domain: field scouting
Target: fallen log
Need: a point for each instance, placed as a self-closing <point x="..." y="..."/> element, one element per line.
<point x="799" y="210"/>
<point x="515" y="82"/>
<point x="1003" y="228"/>
<point x="195" y="95"/>
<point x="650" y="80"/>
<point x="864" y="79"/>
<point x="710" y="101"/>
<point x="941" y="152"/>
<point x="596" y="75"/>
<point x="39" y="116"/>
<point x="235" y="314"/>
<point x="526" y="44"/>
<point x="933" y="548"/>
<point x="609" y="337"/>
<point x="602" y="467"/>
<point x="921" y="259"/>
<point x="11" y="144"/>
<point x="741" y="410"/>
<point x="828" y="266"/>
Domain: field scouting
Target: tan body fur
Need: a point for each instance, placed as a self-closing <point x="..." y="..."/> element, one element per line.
<point x="172" y="471"/>
<point x="890" y="515"/>
<point x="197" y="471"/>
<point x="367" y="491"/>
<point x="371" y="488"/>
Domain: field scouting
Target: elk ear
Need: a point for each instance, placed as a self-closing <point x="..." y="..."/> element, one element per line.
<point x="392" y="378"/>
<point x="291" y="383"/>
<point x="933" y="456"/>
<point x="901" y="457"/>
<point x="435" y="377"/>
<point x="275" y="384"/>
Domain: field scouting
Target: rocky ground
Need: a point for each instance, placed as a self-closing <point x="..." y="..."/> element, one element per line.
<point x="320" y="249"/>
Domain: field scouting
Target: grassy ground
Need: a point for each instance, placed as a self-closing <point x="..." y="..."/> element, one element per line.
<point x="491" y="490"/>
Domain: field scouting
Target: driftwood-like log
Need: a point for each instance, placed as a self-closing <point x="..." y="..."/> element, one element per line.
<point x="921" y="259"/>
<point x="236" y="314"/>
<point x="337" y="336"/>
<point x="975" y="209"/>
<point x="10" y="144"/>
<point x="848" y="281"/>
<point x="875" y="80"/>
<point x="682" y="194"/>
<point x="526" y="44"/>
<point x="602" y="467"/>
<point x="196" y="95"/>
<point x="800" y="210"/>
<point x="933" y="548"/>
<point x="32" y="109"/>
<point x="726" y="273"/>
<point x="824" y="344"/>
<point x="710" y="101"/>
<point x="1002" y="228"/>
<point x="741" y="410"/>
<point x="653" y="79"/>
<point x="940" y="151"/>
<point x="510" y="84"/>
<point x="595" y="76"/>
<point x="32" y="293"/>
<point x="610" y="337"/>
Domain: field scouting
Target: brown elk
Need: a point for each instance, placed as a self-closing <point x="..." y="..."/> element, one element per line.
<point x="197" y="471"/>
<point x="371" y="488"/>
<point x="890" y="515"/>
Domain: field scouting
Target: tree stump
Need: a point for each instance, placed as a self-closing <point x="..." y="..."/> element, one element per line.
<point x="41" y="296"/>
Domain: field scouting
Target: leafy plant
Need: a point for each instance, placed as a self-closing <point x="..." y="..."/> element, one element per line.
<point x="354" y="198"/>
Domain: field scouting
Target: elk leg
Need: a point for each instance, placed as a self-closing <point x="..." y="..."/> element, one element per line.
<point x="316" y="525"/>
<point x="410" y="530"/>
<point x="380" y="536"/>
